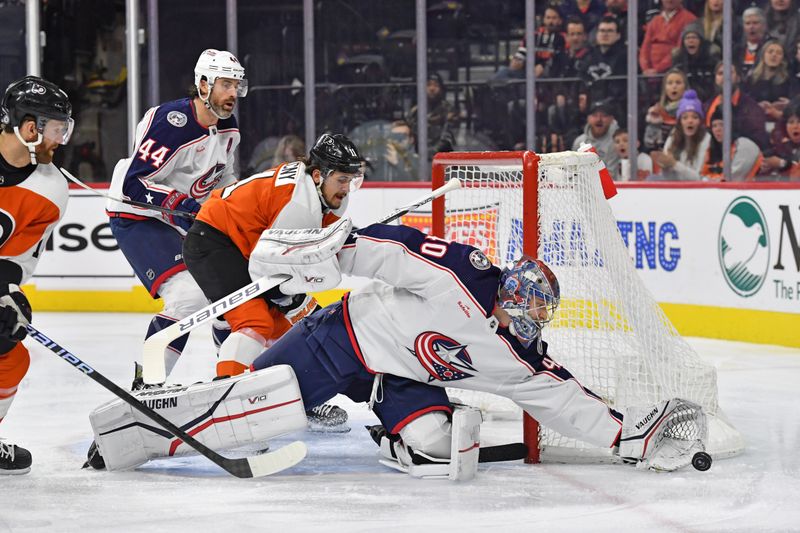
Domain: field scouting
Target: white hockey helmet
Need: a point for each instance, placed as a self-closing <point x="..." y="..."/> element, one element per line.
<point x="213" y="64"/>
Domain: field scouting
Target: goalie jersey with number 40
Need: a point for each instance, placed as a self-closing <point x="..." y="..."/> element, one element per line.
<point x="427" y="316"/>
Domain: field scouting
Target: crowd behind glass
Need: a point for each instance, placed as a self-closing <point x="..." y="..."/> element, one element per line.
<point x="365" y="68"/>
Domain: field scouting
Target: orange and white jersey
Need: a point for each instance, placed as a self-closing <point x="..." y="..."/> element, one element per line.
<point x="281" y="197"/>
<point x="32" y="201"/>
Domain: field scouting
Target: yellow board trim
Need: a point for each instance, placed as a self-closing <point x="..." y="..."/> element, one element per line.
<point x="762" y="327"/>
<point x="746" y="325"/>
<point x="136" y="300"/>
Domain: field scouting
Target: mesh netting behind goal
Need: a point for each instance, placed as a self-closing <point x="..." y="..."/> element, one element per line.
<point x="608" y="331"/>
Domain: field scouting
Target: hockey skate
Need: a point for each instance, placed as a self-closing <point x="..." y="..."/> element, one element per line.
<point x="94" y="459"/>
<point x="327" y="418"/>
<point x="14" y="459"/>
<point x="138" y="380"/>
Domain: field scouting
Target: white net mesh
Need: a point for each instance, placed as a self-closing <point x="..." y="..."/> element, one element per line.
<point x="609" y="331"/>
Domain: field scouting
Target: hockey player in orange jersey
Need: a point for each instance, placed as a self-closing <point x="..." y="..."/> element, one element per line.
<point x="35" y="116"/>
<point x="296" y="195"/>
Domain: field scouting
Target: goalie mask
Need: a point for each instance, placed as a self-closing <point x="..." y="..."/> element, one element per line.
<point x="214" y="65"/>
<point x="529" y="293"/>
<point x="335" y="152"/>
<point x="49" y="106"/>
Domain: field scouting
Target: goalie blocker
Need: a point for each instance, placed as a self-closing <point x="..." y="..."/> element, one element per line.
<point x="223" y="414"/>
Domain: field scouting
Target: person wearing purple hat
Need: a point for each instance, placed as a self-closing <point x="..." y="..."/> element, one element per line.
<point x="684" y="152"/>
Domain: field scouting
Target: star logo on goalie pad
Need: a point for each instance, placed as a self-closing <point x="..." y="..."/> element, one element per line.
<point x="443" y="358"/>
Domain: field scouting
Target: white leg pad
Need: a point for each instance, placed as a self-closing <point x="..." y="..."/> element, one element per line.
<point x="223" y="414"/>
<point x="465" y="443"/>
<point x="453" y="457"/>
<point x="242" y="346"/>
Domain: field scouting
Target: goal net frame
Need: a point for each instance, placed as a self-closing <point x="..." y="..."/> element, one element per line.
<point x="558" y="173"/>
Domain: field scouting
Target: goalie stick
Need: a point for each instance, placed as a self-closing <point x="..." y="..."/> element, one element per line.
<point x="503" y="452"/>
<point x="154" y="370"/>
<point x="245" y="467"/>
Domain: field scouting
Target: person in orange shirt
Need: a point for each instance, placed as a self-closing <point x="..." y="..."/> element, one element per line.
<point x="309" y="193"/>
<point x="35" y="116"/>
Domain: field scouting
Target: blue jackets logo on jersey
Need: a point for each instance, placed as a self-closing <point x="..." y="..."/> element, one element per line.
<point x="442" y="357"/>
<point x="206" y="183"/>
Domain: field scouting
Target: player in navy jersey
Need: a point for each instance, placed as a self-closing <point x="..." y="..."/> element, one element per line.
<point x="184" y="150"/>
<point x="440" y="314"/>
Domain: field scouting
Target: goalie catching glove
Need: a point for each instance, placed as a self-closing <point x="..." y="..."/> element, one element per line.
<point x="308" y="255"/>
<point x="665" y="436"/>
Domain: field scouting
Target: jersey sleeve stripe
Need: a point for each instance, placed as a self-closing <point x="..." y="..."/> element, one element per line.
<point x="516" y="355"/>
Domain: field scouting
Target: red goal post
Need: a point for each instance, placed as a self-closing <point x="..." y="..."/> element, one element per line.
<point x="529" y="163"/>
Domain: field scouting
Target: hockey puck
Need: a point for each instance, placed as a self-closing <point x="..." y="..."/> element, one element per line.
<point x="701" y="461"/>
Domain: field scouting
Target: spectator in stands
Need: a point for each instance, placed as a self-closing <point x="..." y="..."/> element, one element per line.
<point x="783" y="21"/>
<point x="399" y="162"/>
<point x="768" y="82"/>
<point x="746" y="157"/>
<point x="562" y="113"/>
<point x="749" y="119"/>
<point x="711" y="22"/>
<point x="599" y="132"/>
<point x="662" y="34"/>
<point x="697" y="58"/>
<point x="745" y="53"/>
<point x="442" y="117"/>
<point x="644" y="164"/>
<point x="794" y="67"/>
<point x="662" y="116"/>
<point x="550" y="42"/>
<point x="589" y="11"/>
<point x="577" y="47"/>
<point x="785" y="158"/>
<point x="684" y="152"/>
<point x="606" y="59"/>
<point x="566" y="118"/>
<point x="290" y="148"/>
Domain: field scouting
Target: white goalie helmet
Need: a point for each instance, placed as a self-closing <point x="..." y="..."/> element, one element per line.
<point x="213" y="64"/>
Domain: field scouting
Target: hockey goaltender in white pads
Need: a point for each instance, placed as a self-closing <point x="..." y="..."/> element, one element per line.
<point x="308" y="255"/>
<point x="664" y="437"/>
<point x="465" y="441"/>
<point x="223" y="414"/>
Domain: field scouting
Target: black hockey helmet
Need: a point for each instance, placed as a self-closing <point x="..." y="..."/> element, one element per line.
<point x="336" y="152"/>
<point x="41" y="99"/>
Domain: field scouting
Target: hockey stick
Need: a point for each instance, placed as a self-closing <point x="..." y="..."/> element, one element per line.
<point x="246" y="467"/>
<point x="503" y="452"/>
<point x="153" y="366"/>
<point x="451" y="185"/>
<point x="134" y="203"/>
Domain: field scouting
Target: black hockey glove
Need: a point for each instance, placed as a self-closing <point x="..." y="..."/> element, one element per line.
<point x="15" y="314"/>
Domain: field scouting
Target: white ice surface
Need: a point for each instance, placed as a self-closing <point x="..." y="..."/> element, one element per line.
<point x="341" y="487"/>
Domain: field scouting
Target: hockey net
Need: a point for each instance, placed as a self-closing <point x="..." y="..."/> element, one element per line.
<point x="608" y="332"/>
